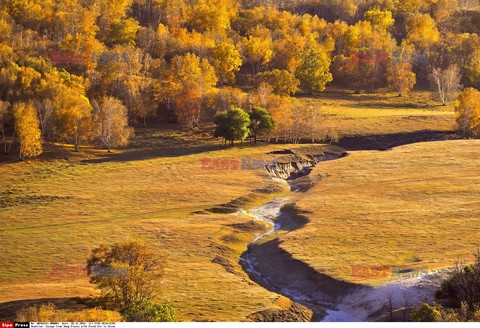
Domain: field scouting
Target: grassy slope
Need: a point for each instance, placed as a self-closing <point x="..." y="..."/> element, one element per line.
<point x="414" y="205"/>
<point x="347" y="113"/>
<point x="62" y="209"/>
<point x="54" y="211"/>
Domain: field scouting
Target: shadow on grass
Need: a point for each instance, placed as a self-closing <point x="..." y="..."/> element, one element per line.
<point x="275" y="269"/>
<point x="349" y="95"/>
<point x="389" y="141"/>
<point x="362" y="142"/>
<point x="135" y="155"/>
<point x="399" y="105"/>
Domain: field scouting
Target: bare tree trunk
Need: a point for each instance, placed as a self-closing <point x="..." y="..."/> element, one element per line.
<point x="75" y="143"/>
<point x="7" y="149"/>
<point x="314" y="122"/>
<point x="406" y="299"/>
<point x="4" y="139"/>
<point x="20" y="155"/>
<point x="390" y="304"/>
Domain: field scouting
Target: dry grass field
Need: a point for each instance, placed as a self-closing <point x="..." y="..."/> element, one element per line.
<point x="413" y="203"/>
<point x="350" y="114"/>
<point x="416" y="205"/>
<point x="62" y="209"/>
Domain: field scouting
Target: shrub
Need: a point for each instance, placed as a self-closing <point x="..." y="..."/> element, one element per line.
<point x="49" y="313"/>
<point x="425" y="313"/>
<point x="143" y="310"/>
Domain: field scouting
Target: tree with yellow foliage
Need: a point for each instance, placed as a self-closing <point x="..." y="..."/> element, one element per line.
<point x="211" y="15"/>
<point x="280" y="108"/>
<point x="443" y="9"/>
<point x="258" y="49"/>
<point x="145" y="270"/>
<point x="74" y="116"/>
<point x="111" y="122"/>
<point x="421" y="30"/>
<point x="400" y="76"/>
<point x="467" y="112"/>
<point x="190" y="79"/>
<point x="227" y="61"/>
<point x="49" y="313"/>
<point x="28" y="130"/>
<point x="283" y="82"/>
<point x="381" y="21"/>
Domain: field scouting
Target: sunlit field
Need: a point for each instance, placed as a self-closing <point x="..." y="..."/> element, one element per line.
<point x="414" y="206"/>
<point x="349" y="114"/>
<point x="67" y="203"/>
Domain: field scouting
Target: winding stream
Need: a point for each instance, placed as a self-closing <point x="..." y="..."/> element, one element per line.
<point x="270" y="213"/>
<point x="329" y="299"/>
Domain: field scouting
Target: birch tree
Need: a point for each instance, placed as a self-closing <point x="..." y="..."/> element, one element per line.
<point x="111" y="123"/>
<point x="447" y="82"/>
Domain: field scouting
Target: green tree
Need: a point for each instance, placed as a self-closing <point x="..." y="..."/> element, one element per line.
<point x="313" y="71"/>
<point x="260" y="122"/>
<point x="123" y="31"/>
<point x="232" y="124"/>
<point x="143" y="310"/>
